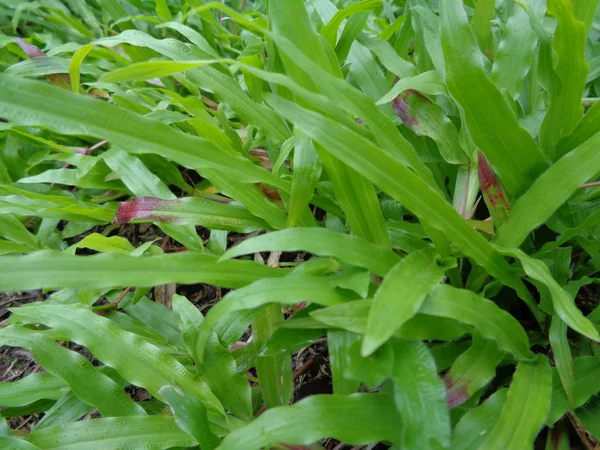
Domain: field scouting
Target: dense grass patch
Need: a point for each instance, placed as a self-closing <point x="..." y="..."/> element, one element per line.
<point x="299" y="224"/>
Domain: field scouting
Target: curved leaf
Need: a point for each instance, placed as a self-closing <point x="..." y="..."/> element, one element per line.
<point x="355" y="419"/>
<point x="472" y="370"/>
<point x="349" y="249"/>
<point x="148" y="432"/>
<point x="192" y="211"/>
<point x="30" y="389"/>
<point x="471" y="309"/>
<point x="190" y="415"/>
<point x="563" y="304"/>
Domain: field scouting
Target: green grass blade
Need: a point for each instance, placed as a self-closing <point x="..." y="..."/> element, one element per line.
<point x="526" y="408"/>
<point x="75" y="66"/>
<point x="330" y="31"/>
<point x="150" y="432"/>
<point x="190" y="416"/>
<point x="30" y="389"/>
<point x="562" y="355"/>
<point x="307" y="171"/>
<point x="475" y="424"/>
<point x="352" y="316"/>
<point x="482" y="23"/>
<point x="16" y="444"/>
<point x="355" y="419"/>
<point x="586" y="128"/>
<point x="12" y="229"/>
<point x="274" y="371"/>
<point x="84" y="380"/>
<point x="67" y="409"/>
<point x="491" y="321"/>
<point x="224" y="87"/>
<point x="512" y="152"/>
<point x="420" y="397"/>
<point x="349" y="249"/>
<point x="45" y="269"/>
<point x="339" y="343"/>
<point x="148" y="70"/>
<point x="400" y="296"/>
<point x="565" y="109"/>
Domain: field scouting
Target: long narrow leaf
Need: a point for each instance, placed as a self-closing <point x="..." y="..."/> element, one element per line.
<point x="45" y="269"/>
<point x="400" y="296"/>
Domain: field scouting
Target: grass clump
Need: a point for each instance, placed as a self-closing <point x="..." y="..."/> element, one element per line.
<point x="257" y="224"/>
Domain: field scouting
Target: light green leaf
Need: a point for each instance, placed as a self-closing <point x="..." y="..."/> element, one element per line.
<point x="515" y="51"/>
<point x="586" y="370"/>
<point x="475" y="424"/>
<point x="75" y="66"/>
<point x="149" y="432"/>
<point x="330" y="31"/>
<point x="12" y="229"/>
<point x="526" y="407"/>
<point x="114" y="270"/>
<point x="30" y="389"/>
<point x="307" y="171"/>
<point x="401" y="295"/>
<point x="420" y="397"/>
<point x="472" y="370"/>
<point x="151" y="69"/>
<point x="274" y="371"/>
<point x="562" y="355"/>
<point x="190" y="416"/>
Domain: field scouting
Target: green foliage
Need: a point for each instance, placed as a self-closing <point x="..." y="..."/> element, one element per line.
<point x="322" y="162"/>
